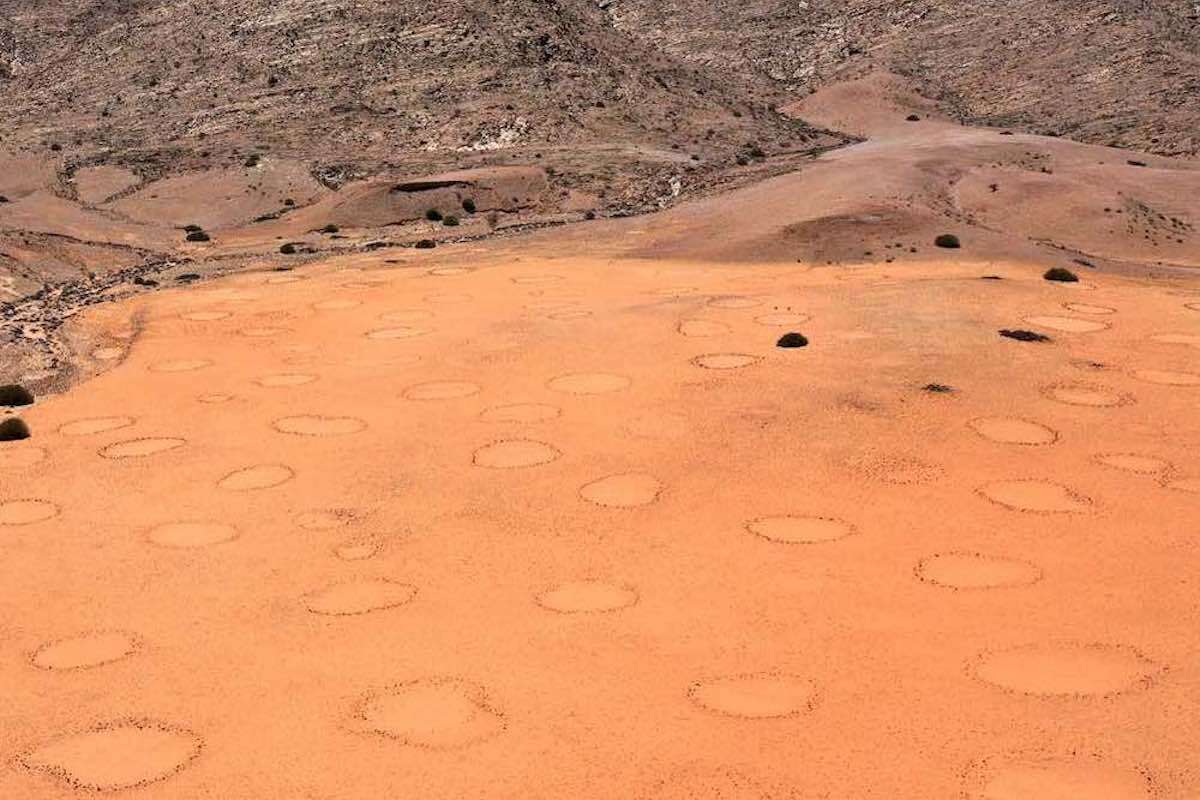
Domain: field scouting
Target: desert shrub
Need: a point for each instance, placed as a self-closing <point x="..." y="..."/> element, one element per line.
<point x="13" y="394"/>
<point x="197" y="236"/>
<point x="1024" y="336"/>
<point x="188" y="277"/>
<point x="590" y="215"/>
<point x="450" y="221"/>
<point x="493" y="219"/>
<point x="1135" y="163"/>
<point x="288" y="249"/>
<point x="330" y="228"/>
<point x="289" y="202"/>
<point x="468" y="205"/>
<point x="1060" y="275"/>
<point x="937" y="388"/>
<point x="947" y="240"/>
<point x="192" y="228"/>
<point x="792" y="340"/>
<point x="12" y="429"/>
<point x="433" y="215"/>
<point x="912" y="118"/>
<point x="426" y="244"/>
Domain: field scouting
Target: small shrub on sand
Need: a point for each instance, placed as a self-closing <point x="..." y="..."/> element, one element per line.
<point x="426" y="244"/>
<point x="287" y="249"/>
<point x="912" y="118"/>
<point x="792" y="340"/>
<point x="12" y="394"/>
<point x="590" y="215"/>
<point x="468" y="205"/>
<point x="330" y="228"/>
<point x="1024" y="336"/>
<point x="450" y="221"/>
<point x="948" y="240"/>
<point x="12" y="429"/>
<point x="937" y="388"/>
<point x="1061" y="275"/>
<point x="433" y="215"/>
<point x="197" y="236"/>
<point x="192" y="228"/>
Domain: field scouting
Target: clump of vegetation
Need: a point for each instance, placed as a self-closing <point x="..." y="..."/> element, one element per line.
<point x="13" y="394"/>
<point x="288" y="249"/>
<point x="912" y="118"/>
<point x="330" y="228"/>
<point x="188" y="277"/>
<point x="426" y="244"/>
<point x="468" y="205"/>
<point x="450" y="221"/>
<point x="3" y="199"/>
<point x="1061" y="275"/>
<point x="1024" y="336"/>
<point x="948" y="240"/>
<point x="253" y="160"/>
<point x="433" y="215"/>
<point x="13" y="429"/>
<point x="192" y="228"/>
<point x="937" y="388"/>
<point x="1135" y="163"/>
<point x="590" y="215"/>
<point x="792" y="340"/>
<point x="493" y="219"/>
<point x="289" y="202"/>
<point x="197" y="236"/>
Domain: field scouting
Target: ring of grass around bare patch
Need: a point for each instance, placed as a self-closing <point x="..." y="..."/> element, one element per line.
<point x="624" y="490"/>
<point x="13" y="429"/>
<point x="1034" y="496"/>
<point x="318" y="425"/>
<point x="1133" y="462"/>
<point x="800" y="529"/>
<point x="438" y="713"/>
<point x="259" y="476"/>
<point x="122" y="754"/>
<point x="755" y="695"/>
<point x="791" y="340"/>
<point x="1060" y="275"/>
<point x="1071" y="775"/>
<point x="191" y="534"/>
<point x="725" y="360"/>
<point x="1065" y="669"/>
<point x="1013" y="430"/>
<point x="521" y="412"/>
<point x="141" y="448"/>
<point x="1087" y="395"/>
<point x="13" y="395"/>
<point x="515" y="454"/>
<point x="353" y="598"/>
<point x="86" y="651"/>
<point x="26" y="511"/>
<point x="1067" y="324"/>
<point x="441" y="390"/>
<point x="963" y="570"/>
<point x="587" y="597"/>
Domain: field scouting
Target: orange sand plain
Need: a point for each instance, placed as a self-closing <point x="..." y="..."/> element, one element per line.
<point x="538" y="519"/>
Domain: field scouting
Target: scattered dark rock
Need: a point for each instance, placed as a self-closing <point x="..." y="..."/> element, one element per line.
<point x="197" y="236"/>
<point x="792" y="340"/>
<point x="426" y="244"/>
<point x="1060" y="275"/>
<point x="13" y="429"/>
<point x="947" y="240"/>
<point x="937" y="388"/>
<point x="141" y="281"/>
<point x="1024" y="336"/>
<point x="13" y="394"/>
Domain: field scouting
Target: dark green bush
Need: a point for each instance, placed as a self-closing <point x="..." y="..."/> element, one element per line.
<point x="433" y="215"/>
<point x="450" y="221"/>
<point x="12" y="429"/>
<point x="792" y="340"/>
<point x="288" y="249"/>
<point x="15" y="395"/>
<point x="1061" y="275"/>
<point x="426" y="244"/>
<point x="468" y="205"/>
<point x="947" y="240"/>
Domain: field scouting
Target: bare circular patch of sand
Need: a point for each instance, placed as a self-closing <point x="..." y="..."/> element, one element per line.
<point x="1191" y="339"/>
<point x="725" y="360"/>
<point x="91" y="425"/>
<point x="215" y="398"/>
<point x="1037" y="496"/>
<point x="263" y="331"/>
<point x="356" y="550"/>
<point x="285" y="379"/>
<point x="441" y="390"/>
<point x="359" y="597"/>
<point x="406" y="316"/>
<point x="317" y="425"/>
<point x="800" y="530"/>
<point x="782" y="319"/>
<point x="587" y="597"/>
<point x="402" y="332"/>
<point x="92" y="649"/>
<point x="755" y="696"/>
<point x="1067" y="324"/>
<point x="515" y="453"/>
<point x="192" y="534"/>
<point x="180" y="365"/>
<point x="260" y="476"/>
<point x="26" y="512"/>
<point x="205" y="316"/>
<point x="589" y="383"/>
<point x="626" y="490"/>
<point x="1165" y="377"/>
<point x="1066" y="669"/>
<point x="325" y="519"/>
<point x="1068" y="778"/>
<point x="976" y="571"/>
<point x="1088" y="308"/>
<point x="437" y="713"/>
<point x="734" y="301"/>
<point x="1013" y="430"/>
<point x="1079" y="394"/>
<point x="124" y="754"/>
<point x="336" y="304"/>
<point x="702" y="327"/>
<point x="140" y="448"/>
<point x="1133" y="462"/>
<point x="520" y="412"/>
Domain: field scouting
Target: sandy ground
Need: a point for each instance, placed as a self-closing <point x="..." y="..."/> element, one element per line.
<point x="553" y="517"/>
<point x="502" y="525"/>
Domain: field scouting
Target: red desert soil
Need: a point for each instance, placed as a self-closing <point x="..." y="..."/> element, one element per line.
<point x="553" y="517"/>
